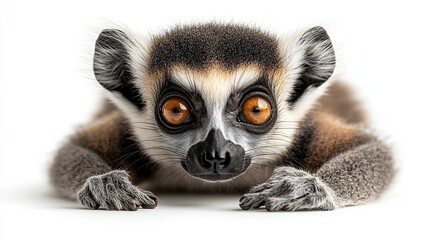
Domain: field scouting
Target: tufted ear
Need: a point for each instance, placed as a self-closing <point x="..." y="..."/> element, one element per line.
<point x="317" y="61"/>
<point x="112" y="65"/>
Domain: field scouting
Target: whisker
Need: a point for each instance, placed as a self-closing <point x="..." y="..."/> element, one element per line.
<point x="173" y="151"/>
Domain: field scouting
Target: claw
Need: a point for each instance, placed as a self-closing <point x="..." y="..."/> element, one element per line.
<point x="252" y="200"/>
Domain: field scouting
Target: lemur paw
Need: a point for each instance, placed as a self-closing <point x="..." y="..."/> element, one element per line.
<point x="114" y="191"/>
<point x="290" y="189"/>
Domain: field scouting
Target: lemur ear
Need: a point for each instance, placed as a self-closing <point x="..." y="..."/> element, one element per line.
<point x="317" y="63"/>
<point x="112" y="65"/>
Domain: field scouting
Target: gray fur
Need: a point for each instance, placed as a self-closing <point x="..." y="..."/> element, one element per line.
<point x="354" y="177"/>
<point x="72" y="166"/>
<point x="79" y="173"/>
<point x="112" y="64"/>
<point x="111" y="58"/>
<point x="114" y="191"/>
<point x="290" y="189"/>
<point x="359" y="175"/>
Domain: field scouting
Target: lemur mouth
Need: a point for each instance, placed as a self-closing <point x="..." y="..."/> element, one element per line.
<point x="215" y="172"/>
<point x="215" y="159"/>
<point x="216" y="176"/>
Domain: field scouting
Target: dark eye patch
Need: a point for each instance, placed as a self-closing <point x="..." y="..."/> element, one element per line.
<point x="194" y="100"/>
<point x="235" y="104"/>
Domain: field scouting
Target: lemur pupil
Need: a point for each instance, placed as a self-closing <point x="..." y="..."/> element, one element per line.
<point x="176" y="111"/>
<point x="256" y="110"/>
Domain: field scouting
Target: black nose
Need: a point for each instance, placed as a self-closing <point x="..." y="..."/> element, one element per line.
<point x="216" y="162"/>
<point x="215" y="158"/>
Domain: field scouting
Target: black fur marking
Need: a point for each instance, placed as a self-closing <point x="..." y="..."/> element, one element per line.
<point x="300" y="147"/>
<point x="112" y="65"/>
<point x="260" y="88"/>
<point x="319" y="62"/>
<point x="138" y="162"/>
<point x="198" y="109"/>
<point x="303" y="84"/>
<point x="199" y="46"/>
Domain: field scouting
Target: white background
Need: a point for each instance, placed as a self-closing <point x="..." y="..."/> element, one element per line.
<point x="46" y="90"/>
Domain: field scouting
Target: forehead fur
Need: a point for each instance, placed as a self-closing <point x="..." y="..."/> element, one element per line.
<point x="215" y="81"/>
<point x="199" y="46"/>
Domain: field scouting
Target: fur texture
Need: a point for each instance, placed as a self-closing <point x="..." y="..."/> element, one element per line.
<point x="114" y="191"/>
<point x="290" y="189"/>
<point x="314" y="153"/>
<point x="200" y="46"/>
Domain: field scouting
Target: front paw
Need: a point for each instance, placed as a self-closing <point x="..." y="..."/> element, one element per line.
<point x="290" y="189"/>
<point x="114" y="191"/>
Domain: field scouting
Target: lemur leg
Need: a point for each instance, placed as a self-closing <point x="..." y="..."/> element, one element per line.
<point x="80" y="173"/>
<point x="353" y="177"/>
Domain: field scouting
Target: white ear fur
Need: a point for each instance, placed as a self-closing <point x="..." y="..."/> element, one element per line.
<point x="309" y="61"/>
<point x="118" y="62"/>
<point x="319" y="55"/>
<point x="111" y="57"/>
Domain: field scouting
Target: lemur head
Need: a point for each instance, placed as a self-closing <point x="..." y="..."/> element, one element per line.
<point x="214" y="99"/>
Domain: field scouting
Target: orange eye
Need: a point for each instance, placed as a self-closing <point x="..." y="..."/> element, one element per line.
<point x="256" y="110"/>
<point x="175" y="111"/>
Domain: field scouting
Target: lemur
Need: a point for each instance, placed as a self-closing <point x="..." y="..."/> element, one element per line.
<point x="223" y="108"/>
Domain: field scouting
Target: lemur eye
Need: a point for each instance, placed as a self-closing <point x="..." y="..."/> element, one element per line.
<point x="175" y="111"/>
<point x="256" y="110"/>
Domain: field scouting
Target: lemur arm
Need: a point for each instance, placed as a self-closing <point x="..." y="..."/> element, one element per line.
<point x="95" y="164"/>
<point x="342" y="166"/>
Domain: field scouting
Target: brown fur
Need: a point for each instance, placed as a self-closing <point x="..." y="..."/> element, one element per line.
<point x="331" y="137"/>
<point x="106" y="107"/>
<point x="103" y="135"/>
<point x="109" y="136"/>
<point x="339" y="101"/>
<point x="330" y="128"/>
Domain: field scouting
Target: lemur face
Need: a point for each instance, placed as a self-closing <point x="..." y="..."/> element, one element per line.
<point x="214" y="100"/>
<point x="217" y="116"/>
